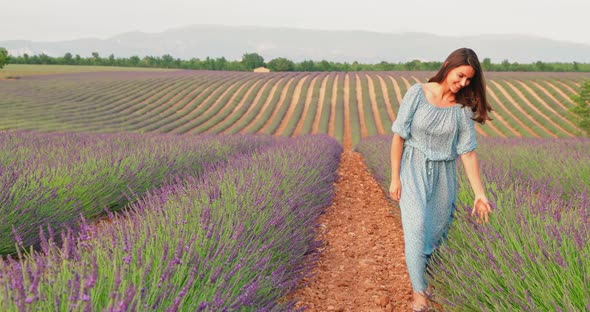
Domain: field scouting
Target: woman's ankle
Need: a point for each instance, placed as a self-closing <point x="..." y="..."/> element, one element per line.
<point x="420" y="298"/>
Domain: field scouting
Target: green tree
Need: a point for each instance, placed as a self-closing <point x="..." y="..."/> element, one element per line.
<point x="252" y="60"/>
<point x="45" y="59"/>
<point x="281" y="64"/>
<point x="487" y="64"/>
<point x="582" y="107"/>
<point x="134" y="60"/>
<point x="221" y="63"/>
<point x="413" y="65"/>
<point x="96" y="60"/>
<point x="3" y="57"/>
<point x="68" y="58"/>
<point x="325" y="66"/>
<point x="307" y="65"/>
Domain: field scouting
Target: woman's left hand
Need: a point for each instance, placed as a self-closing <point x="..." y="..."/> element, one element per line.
<point x="481" y="209"/>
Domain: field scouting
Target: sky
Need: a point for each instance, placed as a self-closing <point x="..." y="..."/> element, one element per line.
<point x="55" y="20"/>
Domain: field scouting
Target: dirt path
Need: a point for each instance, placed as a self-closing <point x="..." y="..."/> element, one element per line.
<point x="362" y="266"/>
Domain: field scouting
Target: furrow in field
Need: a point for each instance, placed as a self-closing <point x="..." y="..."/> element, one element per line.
<point x="333" y="102"/>
<point x="388" y="104"/>
<point x="547" y="106"/>
<point x="374" y="105"/>
<point x="292" y="105"/>
<point x="561" y="92"/>
<point x="504" y="110"/>
<point x="308" y="100"/>
<point x="119" y="114"/>
<point x="275" y="108"/>
<point x="406" y="82"/>
<point x="250" y="111"/>
<point x="214" y="110"/>
<point x="524" y="99"/>
<point x="165" y="123"/>
<point x="524" y="114"/>
<point x="347" y="135"/>
<point x="567" y="87"/>
<point x="398" y="92"/>
<point x="236" y="108"/>
<point x="167" y="107"/>
<point x="197" y="114"/>
<point x="266" y="107"/>
<point x="316" y="122"/>
<point x="146" y="109"/>
<point x="361" y="110"/>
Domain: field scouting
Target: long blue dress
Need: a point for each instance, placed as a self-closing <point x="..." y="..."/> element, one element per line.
<point x="434" y="138"/>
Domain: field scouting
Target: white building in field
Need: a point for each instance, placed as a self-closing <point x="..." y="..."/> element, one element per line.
<point x="261" y="70"/>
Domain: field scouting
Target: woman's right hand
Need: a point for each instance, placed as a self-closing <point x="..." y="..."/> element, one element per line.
<point x="395" y="189"/>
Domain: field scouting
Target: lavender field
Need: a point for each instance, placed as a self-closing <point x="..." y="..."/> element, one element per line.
<point x="234" y="228"/>
<point x="532" y="255"/>
<point x="347" y="106"/>
<point x="201" y="190"/>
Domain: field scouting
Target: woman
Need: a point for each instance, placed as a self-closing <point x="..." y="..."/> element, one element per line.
<point x="435" y="126"/>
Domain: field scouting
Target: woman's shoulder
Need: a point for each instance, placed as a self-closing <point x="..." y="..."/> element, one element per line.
<point x="416" y="86"/>
<point x="414" y="89"/>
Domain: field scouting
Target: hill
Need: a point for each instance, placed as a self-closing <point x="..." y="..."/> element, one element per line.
<point x="201" y="41"/>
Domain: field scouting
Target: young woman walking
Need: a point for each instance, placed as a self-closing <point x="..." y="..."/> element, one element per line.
<point x="434" y="127"/>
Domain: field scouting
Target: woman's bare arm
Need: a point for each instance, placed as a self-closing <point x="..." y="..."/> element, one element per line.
<point x="397" y="146"/>
<point x="481" y="205"/>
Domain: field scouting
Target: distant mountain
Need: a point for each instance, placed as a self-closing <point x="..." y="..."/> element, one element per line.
<point x="300" y="44"/>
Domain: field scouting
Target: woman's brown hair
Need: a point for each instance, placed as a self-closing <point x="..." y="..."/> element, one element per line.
<point x="473" y="95"/>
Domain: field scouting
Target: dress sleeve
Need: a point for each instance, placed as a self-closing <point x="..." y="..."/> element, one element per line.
<point x="466" y="141"/>
<point x="405" y="114"/>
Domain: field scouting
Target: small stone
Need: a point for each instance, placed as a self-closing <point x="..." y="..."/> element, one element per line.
<point x="382" y="300"/>
<point x="331" y="308"/>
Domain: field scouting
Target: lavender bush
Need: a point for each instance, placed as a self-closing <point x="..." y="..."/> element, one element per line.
<point x="532" y="255"/>
<point x="238" y="237"/>
<point x="50" y="179"/>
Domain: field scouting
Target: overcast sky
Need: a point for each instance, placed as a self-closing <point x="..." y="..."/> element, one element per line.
<point x="52" y="20"/>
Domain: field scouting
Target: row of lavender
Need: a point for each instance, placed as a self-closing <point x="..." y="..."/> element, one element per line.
<point x="533" y="254"/>
<point x="238" y="237"/>
<point x="48" y="180"/>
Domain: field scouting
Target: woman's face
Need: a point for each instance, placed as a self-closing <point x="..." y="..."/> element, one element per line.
<point x="459" y="77"/>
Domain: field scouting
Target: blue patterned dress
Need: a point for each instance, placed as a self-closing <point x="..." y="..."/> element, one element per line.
<point x="434" y="138"/>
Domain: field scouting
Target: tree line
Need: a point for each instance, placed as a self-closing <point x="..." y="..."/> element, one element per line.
<point x="250" y="61"/>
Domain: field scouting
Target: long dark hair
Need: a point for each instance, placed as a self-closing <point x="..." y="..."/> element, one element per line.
<point x="473" y="95"/>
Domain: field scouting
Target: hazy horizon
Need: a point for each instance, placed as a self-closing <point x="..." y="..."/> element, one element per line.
<point x="70" y="19"/>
